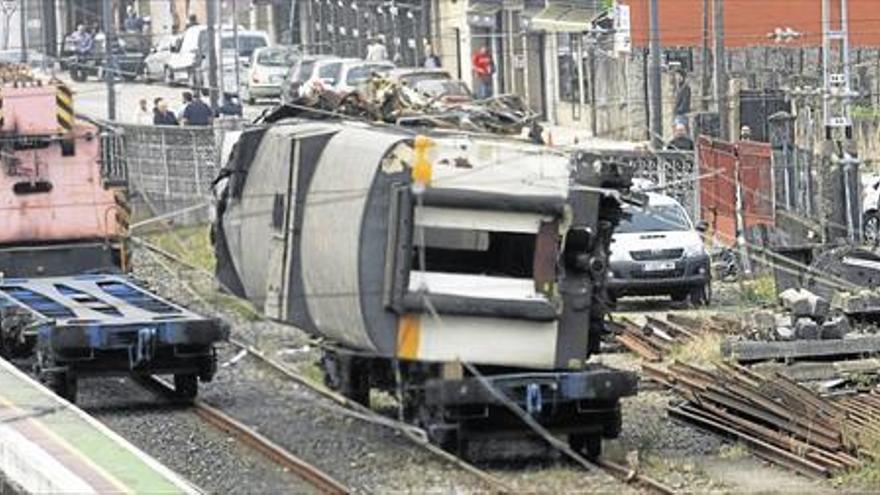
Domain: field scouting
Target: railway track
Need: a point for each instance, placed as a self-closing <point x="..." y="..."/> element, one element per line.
<point x="618" y="472"/>
<point x="320" y="480"/>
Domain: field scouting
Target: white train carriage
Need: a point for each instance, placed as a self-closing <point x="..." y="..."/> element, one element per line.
<point x="411" y="255"/>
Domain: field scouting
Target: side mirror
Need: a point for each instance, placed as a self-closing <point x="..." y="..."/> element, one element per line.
<point x="702" y="226"/>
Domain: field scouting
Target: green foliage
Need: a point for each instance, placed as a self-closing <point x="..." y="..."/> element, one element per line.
<point x="760" y="290"/>
<point x="865" y="112"/>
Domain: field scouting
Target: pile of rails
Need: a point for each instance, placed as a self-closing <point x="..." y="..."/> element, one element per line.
<point x="385" y="100"/>
<point x="656" y="338"/>
<point x="776" y="418"/>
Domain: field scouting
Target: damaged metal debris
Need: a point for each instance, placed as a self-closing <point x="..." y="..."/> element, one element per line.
<point x="383" y="99"/>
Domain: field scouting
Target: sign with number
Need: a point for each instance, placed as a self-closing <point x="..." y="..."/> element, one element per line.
<point x="622" y="29"/>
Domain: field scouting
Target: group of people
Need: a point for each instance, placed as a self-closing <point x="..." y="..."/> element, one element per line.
<point x="192" y="112"/>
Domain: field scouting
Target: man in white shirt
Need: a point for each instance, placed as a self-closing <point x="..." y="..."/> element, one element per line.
<point x="143" y="115"/>
<point x="376" y="51"/>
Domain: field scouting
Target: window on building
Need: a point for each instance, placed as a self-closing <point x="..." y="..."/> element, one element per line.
<point x="569" y="84"/>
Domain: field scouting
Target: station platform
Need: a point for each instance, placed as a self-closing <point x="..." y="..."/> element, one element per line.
<point x="48" y="445"/>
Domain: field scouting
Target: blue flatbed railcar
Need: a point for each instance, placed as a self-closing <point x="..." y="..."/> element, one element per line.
<point x="85" y="325"/>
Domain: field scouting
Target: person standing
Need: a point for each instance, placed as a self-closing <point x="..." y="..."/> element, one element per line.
<point x="143" y="115"/>
<point x="682" y="97"/>
<point x="376" y="51"/>
<point x="680" y="141"/>
<point x="432" y="61"/>
<point x="197" y="113"/>
<point x="163" y="116"/>
<point x="484" y="67"/>
<point x="187" y="99"/>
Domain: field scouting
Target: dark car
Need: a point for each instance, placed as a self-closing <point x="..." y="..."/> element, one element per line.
<point x="130" y="50"/>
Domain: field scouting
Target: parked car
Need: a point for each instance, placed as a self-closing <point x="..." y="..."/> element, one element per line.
<point x="130" y="50"/>
<point x="268" y="65"/>
<point x="353" y="73"/>
<point x="659" y="251"/>
<point x="435" y="83"/>
<point x="298" y="74"/>
<point x="189" y="60"/>
<point x="871" y="208"/>
<point x="325" y="74"/>
<point x="157" y="60"/>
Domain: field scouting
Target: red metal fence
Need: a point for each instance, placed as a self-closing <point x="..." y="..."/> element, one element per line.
<point x="724" y="167"/>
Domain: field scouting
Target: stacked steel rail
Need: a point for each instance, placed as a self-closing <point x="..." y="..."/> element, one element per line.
<point x="776" y="418"/>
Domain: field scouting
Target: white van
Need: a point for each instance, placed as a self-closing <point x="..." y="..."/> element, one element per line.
<point x="658" y="251"/>
<point x="189" y="58"/>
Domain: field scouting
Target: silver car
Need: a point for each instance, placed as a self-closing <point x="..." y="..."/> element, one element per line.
<point x="266" y="73"/>
<point x="157" y="61"/>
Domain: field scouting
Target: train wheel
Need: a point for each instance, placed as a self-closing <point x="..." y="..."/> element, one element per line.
<point x="588" y="445"/>
<point x="347" y="375"/>
<point x="186" y="386"/>
<point x="63" y="383"/>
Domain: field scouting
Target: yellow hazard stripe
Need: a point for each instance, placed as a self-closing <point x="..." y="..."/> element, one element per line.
<point x="64" y="107"/>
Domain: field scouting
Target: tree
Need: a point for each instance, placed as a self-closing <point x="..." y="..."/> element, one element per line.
<point x="7" y="10"/>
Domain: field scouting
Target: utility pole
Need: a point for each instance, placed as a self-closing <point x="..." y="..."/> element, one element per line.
<point x="706" y="74"/>
<point x="720" y="74"/>
<point x="212" y="51"/>
<point x="655" y="86"/>
<point x="22" y="21"/>
<point x="237" y="48"/>
<point x="291" y="22"/>
<point x="109" y="57"/>
<point x="837" y="99"/>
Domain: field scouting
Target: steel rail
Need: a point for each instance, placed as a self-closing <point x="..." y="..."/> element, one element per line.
<point x="248" y="436"/>
<point x="406" y="429"/>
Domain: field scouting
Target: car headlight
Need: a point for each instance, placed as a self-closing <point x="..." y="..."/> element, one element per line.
<point x="694" y="250"/>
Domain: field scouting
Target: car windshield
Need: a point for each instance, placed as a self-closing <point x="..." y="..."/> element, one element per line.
<point x="413" y="80"/>
<point x="442" y="87"/>
<point x="361" y="73"/>
<point x="330" y="72"/>
<point x="661" y="218"/>
<point x="305" y="70"/>
<point x="246" y="44"/>
<point x="274" y="58"/>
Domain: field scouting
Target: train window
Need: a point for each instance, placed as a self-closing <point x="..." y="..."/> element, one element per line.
<point x="38" y="187"/>
<point x="507" y="254"/>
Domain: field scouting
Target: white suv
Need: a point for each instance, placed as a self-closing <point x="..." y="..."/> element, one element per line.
<point x="658" y="251"/>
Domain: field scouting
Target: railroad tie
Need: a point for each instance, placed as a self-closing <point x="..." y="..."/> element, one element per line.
<point x="64" y="107"/>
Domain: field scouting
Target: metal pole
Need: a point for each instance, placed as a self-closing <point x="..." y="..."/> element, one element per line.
<point x="212" y="51"/>
<point x="706" y="86"/>
<point x="22" y="21"/>
<point x="720" y="75"/>
<point x="292" y="22"/>
<point x="237" y="48"/>
<point x="655" y="87"/>
<point x="110" y="58"/>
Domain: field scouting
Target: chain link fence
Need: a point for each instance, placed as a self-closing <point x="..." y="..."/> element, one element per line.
<point x="169" y="170"/>
<point x="674" y="172"/>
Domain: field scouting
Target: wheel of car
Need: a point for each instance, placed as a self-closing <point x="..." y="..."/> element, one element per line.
<point x="168" y="75"/>
<point x="872" y="228"/>
<point x="679" y="296"/>
<point x="247" y="96"/>
<point x="701" y="296"/>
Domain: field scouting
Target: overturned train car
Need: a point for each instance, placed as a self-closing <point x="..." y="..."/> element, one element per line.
<point x="499" y="261"/>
